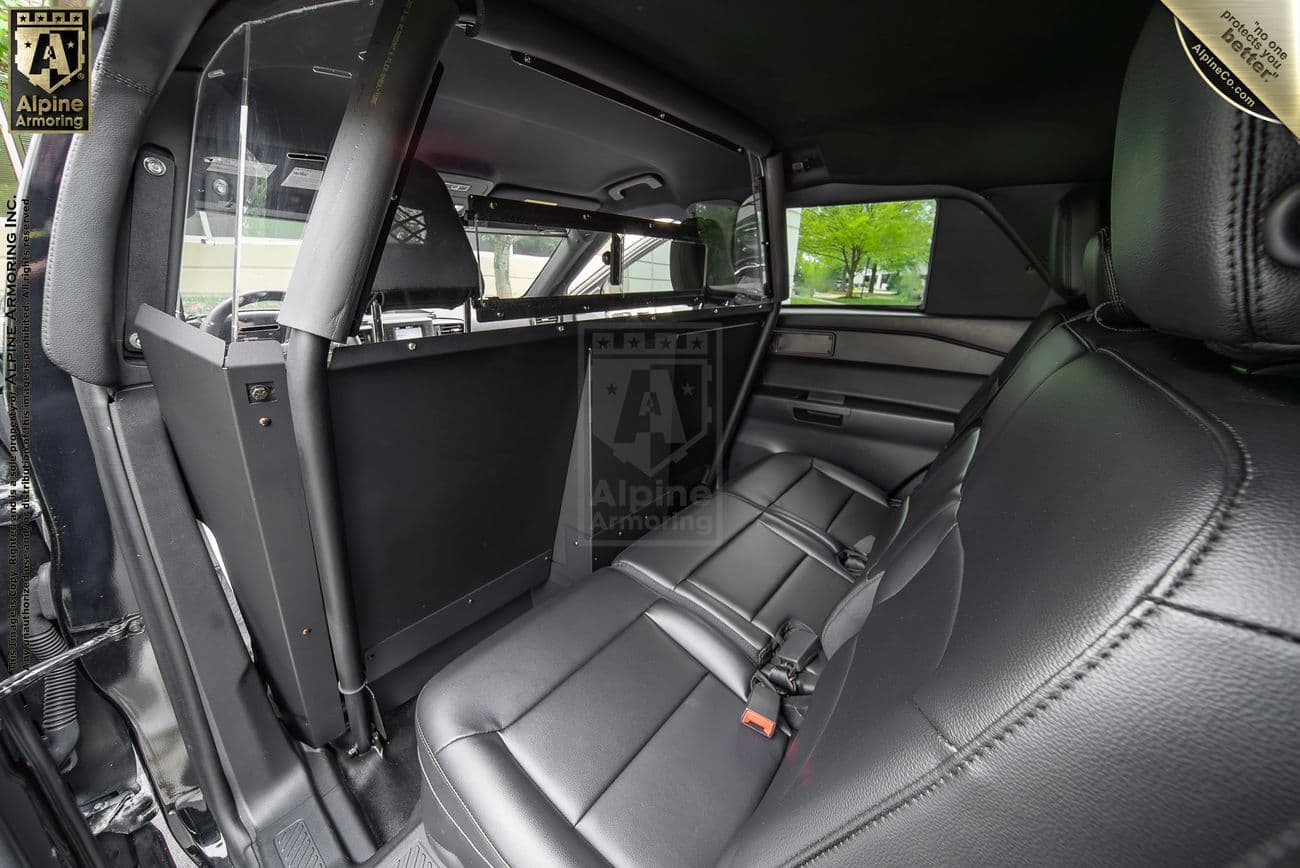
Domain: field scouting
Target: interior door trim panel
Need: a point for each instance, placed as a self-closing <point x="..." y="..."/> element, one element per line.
<point x="888" y="348"/>
<point x="994" y="334"/>
<point x="874" y="392"/>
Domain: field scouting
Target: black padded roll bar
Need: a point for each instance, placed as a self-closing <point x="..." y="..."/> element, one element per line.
<point x="305" y="369"/>
<point x="352" y="210"/>
<point x="778" y="271"/>
<point x="353" y="204"/>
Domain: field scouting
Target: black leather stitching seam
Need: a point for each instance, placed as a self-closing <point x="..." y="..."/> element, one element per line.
<point x="961" y="762"/>
<point x="934" y="726"/>
<point x="783" y="527"/>
<point x="1112" y="291"/>
<point x="1235" y="282"/>
<point x="572" y="672"/>
<point x="672" y="713"/>
<point x="694" y="608"/>
<point x="1249" y="195"/>
<point x="843" y="506"/>
<point x="725" y="544"/>
<point x="129" y="82"/>
<point x="1217" y="429"/>
<point x="1210" y="533"/>
<point x="1239" y="624"/>
<point x="1255" y="252"/>
<point x="434" y="759"/>
<point x="545" y="797"/>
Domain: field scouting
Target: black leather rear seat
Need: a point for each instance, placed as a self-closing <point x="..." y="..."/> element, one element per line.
<point x="793" y="535"/>
<point x="1079" y="643"/>
<point x="603" y="728"/>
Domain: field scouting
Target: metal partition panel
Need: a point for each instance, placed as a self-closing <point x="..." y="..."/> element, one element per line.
<point x="227" y="412"/>
<point x="451" y="467"/>
<point x="453" y="454"/>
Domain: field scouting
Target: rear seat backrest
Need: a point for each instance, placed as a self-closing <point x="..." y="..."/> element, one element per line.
<point x="774" y="559"/>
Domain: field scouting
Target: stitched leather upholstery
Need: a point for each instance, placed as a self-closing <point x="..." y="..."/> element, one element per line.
<point x="1194" y="180"/>
<point x="1076" y="641"/>
<point x="781" y="524"/>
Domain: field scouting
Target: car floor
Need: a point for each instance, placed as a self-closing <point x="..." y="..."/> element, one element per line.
<point x="387" y="786"/>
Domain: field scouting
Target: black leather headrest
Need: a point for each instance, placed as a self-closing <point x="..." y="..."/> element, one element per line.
<point x="1099" y="282"/>
<point x="427" y="260"/>
<point x="1193" y="185"/>
<point x="1076" y="219"/>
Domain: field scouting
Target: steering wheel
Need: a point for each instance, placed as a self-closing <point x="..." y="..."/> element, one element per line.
<point x="217" y="322"/>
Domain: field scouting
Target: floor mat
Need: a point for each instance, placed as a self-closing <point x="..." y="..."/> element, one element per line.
<point x="387" y="788"/>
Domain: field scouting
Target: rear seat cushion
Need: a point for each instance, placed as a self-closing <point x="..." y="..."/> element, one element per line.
<point x="746" y="571"/>
<point x="828" y="498"/>
<point x="763" y="551"/>
<point x="601" y="728"/>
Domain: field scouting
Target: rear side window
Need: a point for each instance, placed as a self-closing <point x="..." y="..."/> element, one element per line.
<point x="874" y="254"/>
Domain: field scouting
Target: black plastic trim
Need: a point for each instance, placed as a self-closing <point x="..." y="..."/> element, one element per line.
<point x="163" y="631"/>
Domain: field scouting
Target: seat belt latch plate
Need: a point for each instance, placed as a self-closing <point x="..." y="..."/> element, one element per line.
<point x="763" y="709"/>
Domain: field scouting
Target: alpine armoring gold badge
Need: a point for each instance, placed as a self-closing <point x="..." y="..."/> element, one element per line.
<point x="49" y="70"/>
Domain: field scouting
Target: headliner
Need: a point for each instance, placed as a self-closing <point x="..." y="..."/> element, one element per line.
<point x="923" y="91"/>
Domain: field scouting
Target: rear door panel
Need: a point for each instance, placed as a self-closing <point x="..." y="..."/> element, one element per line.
<point x="875" y="392"/>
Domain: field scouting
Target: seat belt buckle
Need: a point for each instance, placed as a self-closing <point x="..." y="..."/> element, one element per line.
<point x="763" y="708"/>
<point x="796" y="649"/>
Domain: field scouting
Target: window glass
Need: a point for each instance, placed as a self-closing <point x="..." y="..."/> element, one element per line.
<point x="510" y="261"/>
<point x="646" y="267"/>
<point x="871" y="254"/>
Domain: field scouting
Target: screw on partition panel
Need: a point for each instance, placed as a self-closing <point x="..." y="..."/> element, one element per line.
<point x="306" y="631"/>
<point x="411" y="345"/>
<point x="260" y="393"/>
<point x="133" y="341"/>
<point x="154" y="166"/>
<point x="265" y="422"/>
